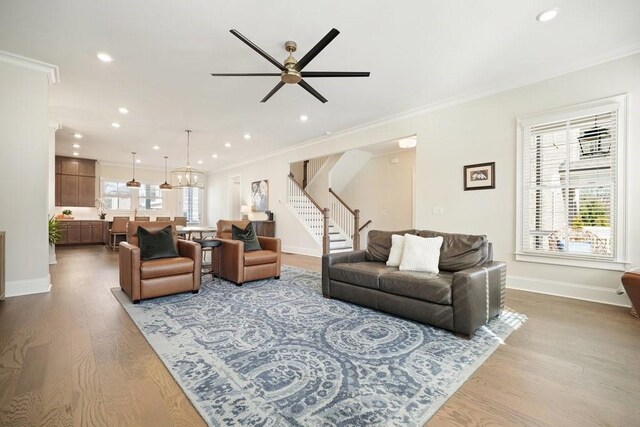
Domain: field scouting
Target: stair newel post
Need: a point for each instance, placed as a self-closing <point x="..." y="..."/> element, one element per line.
<point x="305" y="180"/>
<point x="356" y="229"/>
<point x="326" y="245"/>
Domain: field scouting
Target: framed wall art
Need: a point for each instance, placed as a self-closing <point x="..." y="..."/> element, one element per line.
<point x="481" y="176"/>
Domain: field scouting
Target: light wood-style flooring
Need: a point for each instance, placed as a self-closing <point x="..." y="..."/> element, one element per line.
<point x="73" y="357"/>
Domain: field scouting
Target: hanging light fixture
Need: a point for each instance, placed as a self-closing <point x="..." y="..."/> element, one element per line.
<point x="133" y="183"/>
<point x="187" y="177"/>
<point x="165" y="185"/>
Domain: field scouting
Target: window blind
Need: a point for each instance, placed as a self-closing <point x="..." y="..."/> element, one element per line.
<point x="150" y="197"/>
<point x="569" y="185"/>
<point x="191" y="205"/>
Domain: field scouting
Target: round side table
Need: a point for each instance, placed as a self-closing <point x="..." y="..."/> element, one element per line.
<point x="211" y="244"/>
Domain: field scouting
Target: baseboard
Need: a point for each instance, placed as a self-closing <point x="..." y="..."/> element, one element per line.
<point x="568" y="290"/>
<point x="16" y="288"/>
<point x="301" y="251"/>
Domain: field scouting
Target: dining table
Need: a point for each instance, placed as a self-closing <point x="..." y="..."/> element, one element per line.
<point x="188" y="231"/>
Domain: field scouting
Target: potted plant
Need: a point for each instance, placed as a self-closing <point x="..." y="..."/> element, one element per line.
<point x="100" y="207"/>
<point x="54" y="231"/>
<point x="66" y="214"/>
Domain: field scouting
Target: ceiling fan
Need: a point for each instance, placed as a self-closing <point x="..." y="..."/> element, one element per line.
<point x="292" y="70"/>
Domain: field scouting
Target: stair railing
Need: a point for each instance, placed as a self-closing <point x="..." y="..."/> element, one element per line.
<point x="345" y="219"/>
<point x="315" y="217"/>
<point x="311" y="168"/>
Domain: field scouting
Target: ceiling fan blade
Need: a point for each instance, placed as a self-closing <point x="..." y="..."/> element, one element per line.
<point x="244" y="74"/>
<point x="261" y="52"/>
<point x="306" y="86"/>
<point x="274" y="90"/>
<point x="306" y="74"/>
<point x="317" y="49"/>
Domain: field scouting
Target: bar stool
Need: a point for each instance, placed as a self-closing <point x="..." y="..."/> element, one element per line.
<point x="118" y="228"/>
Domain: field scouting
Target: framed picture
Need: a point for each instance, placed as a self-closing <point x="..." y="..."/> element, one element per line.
<point x="260" y="195"/>
<point x="481" y="176"/>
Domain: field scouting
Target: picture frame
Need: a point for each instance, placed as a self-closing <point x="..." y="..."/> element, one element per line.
<point x="260" y="195"/>
<point x="480" y="176"/>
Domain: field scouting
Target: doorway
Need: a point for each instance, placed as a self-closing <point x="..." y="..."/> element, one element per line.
<point x="235" y="196"/>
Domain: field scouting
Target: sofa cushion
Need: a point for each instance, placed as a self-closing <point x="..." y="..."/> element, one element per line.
<point x="421" y="254"/>
<point x="460" y="251"/>
<point x="364" y="274"/>
<point x="379" y="244"/>
<point x="246" y="235"/>
<point x="156" y="244"/>
<point x="435" y="288"/>
<point x="260" y="257"/>
<point x="165" y="267"/>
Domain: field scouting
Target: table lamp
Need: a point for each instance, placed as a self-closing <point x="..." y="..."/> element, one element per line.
<point x="245" y="210"/>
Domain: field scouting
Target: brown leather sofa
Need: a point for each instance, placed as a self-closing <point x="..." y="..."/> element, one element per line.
<point x="466" y="294"/>
<point x="239" y="266"/>
<point x="631" y="283"/>
<point x="158" y="277"/>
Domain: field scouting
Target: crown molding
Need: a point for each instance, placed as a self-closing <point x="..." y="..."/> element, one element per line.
<point x="128" y="166"/>
<point x="439" y="105"/>
<point x="52" y="71"/>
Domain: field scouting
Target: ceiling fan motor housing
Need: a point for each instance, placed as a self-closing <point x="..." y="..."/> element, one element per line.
<point x="290" y="74"/>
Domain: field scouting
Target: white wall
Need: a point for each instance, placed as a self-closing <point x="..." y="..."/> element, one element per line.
<point x="484" y="130"/>
<point x="24" y="173"/>
<point x="383" y="191"/>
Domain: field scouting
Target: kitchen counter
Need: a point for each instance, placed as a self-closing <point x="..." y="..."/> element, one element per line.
<point x="83" y="231"/>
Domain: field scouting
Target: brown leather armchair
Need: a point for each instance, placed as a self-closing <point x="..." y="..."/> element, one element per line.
<point x="239" y="266"/>
<point x="631" y="283"/>
<point x="158" y="277"/>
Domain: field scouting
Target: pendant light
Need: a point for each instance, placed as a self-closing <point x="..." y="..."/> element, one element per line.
<point x="165" y="185"/>
<point x="133" y="183"/>
<point x="187" y="177"/>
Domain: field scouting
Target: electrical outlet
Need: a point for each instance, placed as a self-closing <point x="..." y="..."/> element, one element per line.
<point x="438" y="210"/>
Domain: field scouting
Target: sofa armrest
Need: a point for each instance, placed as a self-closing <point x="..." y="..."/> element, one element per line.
<point x="129" y="266"/>
<point x="192" y="250"/>
<point x="477" y="295"/>
<point x="273" y="244"/>
<point x="337" y="258"/>
<point x="232" y="267"/>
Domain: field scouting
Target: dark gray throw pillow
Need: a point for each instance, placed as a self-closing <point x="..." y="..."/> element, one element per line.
<point x="248" y="236"/>
<point x="156" y="245"/>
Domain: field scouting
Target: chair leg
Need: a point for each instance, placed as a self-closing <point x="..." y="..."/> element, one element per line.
<point x="196" y="291"/>
<point x="136" y="301"/>
<point x="277" y="277"/>
<point x="239" y="284"/>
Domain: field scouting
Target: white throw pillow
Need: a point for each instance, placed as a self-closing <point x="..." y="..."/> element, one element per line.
<point x="421" y="253"/>
<point x="395" y="254"/>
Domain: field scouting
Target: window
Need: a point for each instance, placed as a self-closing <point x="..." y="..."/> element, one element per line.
<point x="191" y="203"/>
<point x="116" y="195"/>
<point x="571" y="186"/>
<point x="150" y="198"/>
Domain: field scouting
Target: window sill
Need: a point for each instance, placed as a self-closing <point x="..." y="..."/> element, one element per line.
<point x="569" y="261"/>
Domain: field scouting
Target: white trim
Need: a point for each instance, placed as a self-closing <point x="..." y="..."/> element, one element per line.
<point x="620" y="104"/>
<point x="128" y="165"/>
<point x="599" y="264"/>
<point x="568" y="290"/>
<point x="298" y="250"/>
<point x="52" y="71"/>
<point x="438" y="105"/>
<point x="16" y="288"/>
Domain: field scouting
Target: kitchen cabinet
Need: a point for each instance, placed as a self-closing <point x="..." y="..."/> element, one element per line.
<point x="73" y="232"/>
<point x="75" y="182"/>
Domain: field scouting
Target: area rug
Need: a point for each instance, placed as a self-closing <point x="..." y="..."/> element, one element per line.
<point x="276" y="353"/>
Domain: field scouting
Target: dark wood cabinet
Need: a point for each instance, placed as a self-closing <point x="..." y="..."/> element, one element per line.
<point x="265" y="228"/>
<point x="82" y="232"/>
<point x="75" y="182"/>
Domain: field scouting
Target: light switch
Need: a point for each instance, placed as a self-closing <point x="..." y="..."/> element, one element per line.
<point x="438" y="210"/>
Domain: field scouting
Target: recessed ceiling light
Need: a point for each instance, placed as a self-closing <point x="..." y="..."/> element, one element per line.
<point x="327" y="132"/>
<point x="76" y="145"/>
<point x="104" y="57"/>
<point x="138" y="161"/>
<point x="227" y="144"/>
<point x="155" y="147"/>
<point x="247" y="136"/>
<point x="123" y="110"/>
<point x="115" y="124"/>
<point x="75" y="153"/>
<point x="200" y="162"/>
<point x="215" y="156"/>
<point x="304" y="118"/>
<point x="77" y="135"/>
<point x="548" y="15"/>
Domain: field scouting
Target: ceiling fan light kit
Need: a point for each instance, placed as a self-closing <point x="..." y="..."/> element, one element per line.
<point x="291" y="72"/>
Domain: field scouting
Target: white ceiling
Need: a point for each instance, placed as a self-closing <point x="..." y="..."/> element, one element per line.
<point x="419" y="52"/>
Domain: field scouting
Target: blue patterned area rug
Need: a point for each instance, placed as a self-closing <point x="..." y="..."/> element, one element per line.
<point x="275" y="352"/>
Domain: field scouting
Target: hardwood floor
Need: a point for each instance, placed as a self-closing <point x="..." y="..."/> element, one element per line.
<point x="73" y="357"/>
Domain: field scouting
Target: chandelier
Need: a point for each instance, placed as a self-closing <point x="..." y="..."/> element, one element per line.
<point x="187" y="177"/>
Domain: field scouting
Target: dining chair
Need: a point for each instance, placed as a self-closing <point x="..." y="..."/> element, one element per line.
<point x="142" y="218"/>
<point x="163" y="218"/>
<point x="118" y="228"/>
<point x="180" y="221"/>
